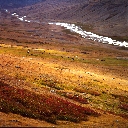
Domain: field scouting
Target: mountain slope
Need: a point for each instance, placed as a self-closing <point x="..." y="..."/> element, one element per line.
<point x="107" y="17"/>
<point x="17" y="3"/>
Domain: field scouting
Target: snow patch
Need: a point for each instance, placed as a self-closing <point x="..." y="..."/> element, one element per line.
<point x="92" y="36"/>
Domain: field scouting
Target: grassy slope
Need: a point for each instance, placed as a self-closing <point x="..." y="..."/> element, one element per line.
<point x="100" y="94"/>
<point x="75" y="71"/>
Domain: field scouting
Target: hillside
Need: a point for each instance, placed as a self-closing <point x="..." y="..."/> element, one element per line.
<point x="52" y="77"/>
<point x="8" y="4"/>
<point x="105" y="17"/>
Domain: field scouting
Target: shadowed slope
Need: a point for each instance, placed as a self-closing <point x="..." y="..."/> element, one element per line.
<point x="17" y="3"/>
<point x="107" y="17"/>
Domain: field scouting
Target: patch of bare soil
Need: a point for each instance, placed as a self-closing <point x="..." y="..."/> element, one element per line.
<point x="14" y="120"/>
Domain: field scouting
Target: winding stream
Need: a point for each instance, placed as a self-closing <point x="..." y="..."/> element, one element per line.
<point x="78" y="30"/>
<point x="90" y="35"/>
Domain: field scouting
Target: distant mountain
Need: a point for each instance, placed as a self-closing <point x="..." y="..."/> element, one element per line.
<point x="17" y="3"/>
<point x="108" y="17"/>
